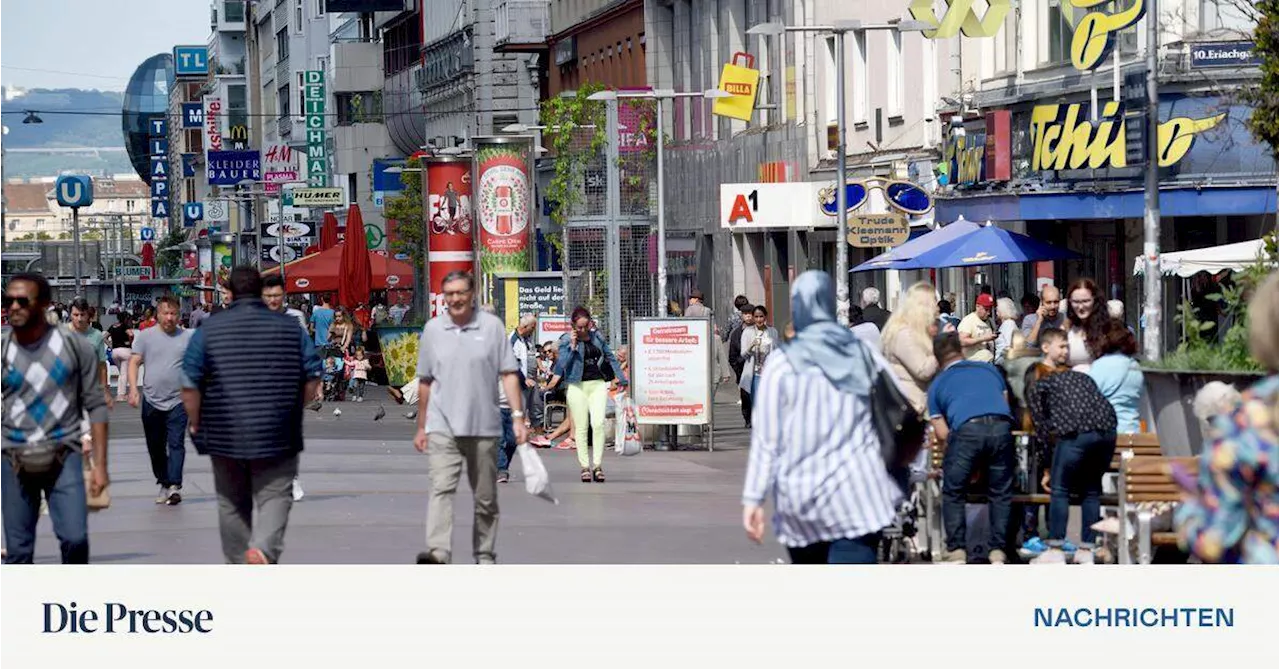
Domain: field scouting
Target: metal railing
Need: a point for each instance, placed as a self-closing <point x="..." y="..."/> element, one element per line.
<point x="522" y="21"/>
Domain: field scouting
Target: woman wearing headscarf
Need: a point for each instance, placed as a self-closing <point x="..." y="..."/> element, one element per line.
<point x="1229" y="512"/>
<point x="814" y="449"/>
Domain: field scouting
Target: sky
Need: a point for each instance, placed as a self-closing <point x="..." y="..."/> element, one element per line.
<point x="91" y="43"/>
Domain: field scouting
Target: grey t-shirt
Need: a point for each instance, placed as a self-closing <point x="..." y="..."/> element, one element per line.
<point x="162" y="359"/>
<point x="1029" y="322"/>
<point x="463" y="364"/>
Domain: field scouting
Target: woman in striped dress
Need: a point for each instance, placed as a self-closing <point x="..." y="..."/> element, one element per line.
<point x="814" y="449"/>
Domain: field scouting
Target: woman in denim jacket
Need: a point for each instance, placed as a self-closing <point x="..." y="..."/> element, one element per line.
<point x="589" y="365"/>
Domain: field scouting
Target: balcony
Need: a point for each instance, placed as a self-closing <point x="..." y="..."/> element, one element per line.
<point x="522" y="25"/>
<point x="227" y="16"/>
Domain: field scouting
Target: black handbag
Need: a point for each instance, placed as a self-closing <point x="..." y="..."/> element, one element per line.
<point x="899" y="426"/>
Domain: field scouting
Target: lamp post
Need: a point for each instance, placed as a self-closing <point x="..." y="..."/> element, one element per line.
<point x="658" y="96"/>
<point x="839" y="29"/>
<point x="1152" y="333"/>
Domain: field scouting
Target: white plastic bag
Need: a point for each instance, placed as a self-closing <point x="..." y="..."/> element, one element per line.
<point x="536" y="480"/>
<point x="626" y="439"/>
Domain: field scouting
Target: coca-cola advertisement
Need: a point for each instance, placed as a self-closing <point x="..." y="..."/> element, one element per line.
<point x="450" y="245"/>
<point x="504" y="195"/>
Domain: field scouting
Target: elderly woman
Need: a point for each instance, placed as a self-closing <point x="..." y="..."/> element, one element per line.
<point x="814" y="449"/>
<point x="1229" y="513"/>
<point x="1007" y="318"/>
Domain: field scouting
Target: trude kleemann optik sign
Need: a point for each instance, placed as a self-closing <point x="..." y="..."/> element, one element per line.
<point x="671" y="370"/>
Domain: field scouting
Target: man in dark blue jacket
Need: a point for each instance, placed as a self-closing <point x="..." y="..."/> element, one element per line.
<point x="247" y="373"/>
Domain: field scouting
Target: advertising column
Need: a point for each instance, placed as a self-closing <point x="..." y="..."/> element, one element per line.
<point x="450" y="246"/>
<point x="504" y="196"/>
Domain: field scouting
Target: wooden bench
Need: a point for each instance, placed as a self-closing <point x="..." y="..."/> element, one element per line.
<point x="1147" y="479"/>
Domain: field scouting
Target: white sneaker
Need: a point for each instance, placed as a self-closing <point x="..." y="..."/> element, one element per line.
<point x="1051" y="556"/>
<point x="1083" y="556"/>
<point x="297" y="490"/>
<point x="164" y="496"/>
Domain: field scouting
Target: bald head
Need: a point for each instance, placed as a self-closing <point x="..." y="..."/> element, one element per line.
<point x="1050" y="299"/>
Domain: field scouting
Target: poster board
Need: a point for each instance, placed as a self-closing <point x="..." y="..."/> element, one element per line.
<point x="671" y="370"/>
<point x="537" y="293"/>
<point x="551" y="329"/>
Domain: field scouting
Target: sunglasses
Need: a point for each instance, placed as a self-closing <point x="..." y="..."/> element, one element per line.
<point x="21" y="300"/>
<point x="901" y="195"/>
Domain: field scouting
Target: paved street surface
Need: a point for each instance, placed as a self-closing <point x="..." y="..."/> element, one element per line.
<point x="366" y="502"/>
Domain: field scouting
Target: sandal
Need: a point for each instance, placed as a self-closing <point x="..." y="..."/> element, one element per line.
<point x="586" y="475"/>
<point x="598" y="474"/>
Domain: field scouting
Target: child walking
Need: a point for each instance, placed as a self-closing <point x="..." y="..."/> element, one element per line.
<point x="360" y="372"/>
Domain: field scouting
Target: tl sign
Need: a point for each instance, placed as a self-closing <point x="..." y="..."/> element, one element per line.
<point x="1065" y="139"/>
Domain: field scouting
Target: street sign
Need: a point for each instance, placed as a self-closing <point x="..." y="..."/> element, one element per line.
<point x="190" y="61"/>
<point x="228" y="168"/>
<point x="1224" y="54"/>
<point x="192" y="115"/>
<point x="74" y="190"/>
<point x="192" y="213"/>
<point x="147" y="234"/>
<point x="317" y="197"/>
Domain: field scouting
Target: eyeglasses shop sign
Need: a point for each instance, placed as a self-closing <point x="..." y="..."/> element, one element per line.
<point x="1224" y="54"/>
<point x="877" y="230"/>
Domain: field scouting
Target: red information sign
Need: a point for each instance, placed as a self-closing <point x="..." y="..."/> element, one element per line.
<point x="448" y="219"/>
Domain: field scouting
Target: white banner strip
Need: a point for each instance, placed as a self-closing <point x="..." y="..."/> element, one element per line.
<point x="597" y="616"/>
<point x="451" y="256"/>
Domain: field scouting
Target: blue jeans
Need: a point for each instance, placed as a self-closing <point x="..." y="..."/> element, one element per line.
<point x="166" y="433"/>
<point x="63" y="487"/>
<point x="1079" y="463"/>
<point x="971" y="446"/>
<point x="862" y="550"/>
<point x="506" y="445"/>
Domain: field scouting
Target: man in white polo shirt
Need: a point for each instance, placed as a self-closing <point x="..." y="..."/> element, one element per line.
<point x="461" y="354"/>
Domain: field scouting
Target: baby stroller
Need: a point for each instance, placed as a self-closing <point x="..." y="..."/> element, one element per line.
<point x="334" y="377"/>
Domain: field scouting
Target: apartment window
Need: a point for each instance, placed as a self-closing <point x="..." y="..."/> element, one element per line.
<point x="362" y="107"/>
<point x="861" y="105"/>
<point x="298" y="18"/>
<point x="352" y="191"/>
<point x="128" y="205"/>
<point x="282" y="98"/>
<point x="897" y="75"/>
<point x="233" y="11"/>
<point x="1060" y="33"/>
<point x="829" y="90"/>
<point x="320" y="8"/>
<point x="282" y="44"/>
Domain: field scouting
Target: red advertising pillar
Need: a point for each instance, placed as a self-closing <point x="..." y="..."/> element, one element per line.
<point x="448" y="219"/>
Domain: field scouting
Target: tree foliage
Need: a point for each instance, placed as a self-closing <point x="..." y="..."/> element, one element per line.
<point x="1263" y="98"/>
<point x="410" y="238"/>
<point x="563" y="116"/>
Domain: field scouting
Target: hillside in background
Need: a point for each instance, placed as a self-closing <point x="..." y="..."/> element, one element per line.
<point x="97" y="125"/>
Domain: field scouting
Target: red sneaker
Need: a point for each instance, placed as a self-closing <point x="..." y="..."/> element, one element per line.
<point x="255" y="556"/>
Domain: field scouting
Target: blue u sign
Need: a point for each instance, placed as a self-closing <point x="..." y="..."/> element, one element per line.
<point x="193" y="212"/>
<point x="74" y="190"/>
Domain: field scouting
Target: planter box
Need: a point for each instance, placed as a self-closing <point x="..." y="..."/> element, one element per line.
<point x="1170" y="400"/>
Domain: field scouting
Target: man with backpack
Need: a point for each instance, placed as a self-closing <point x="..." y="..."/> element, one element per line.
<point x="50" y="384"/>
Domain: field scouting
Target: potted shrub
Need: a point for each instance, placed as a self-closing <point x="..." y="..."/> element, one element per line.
<point x="1173" y="381"/>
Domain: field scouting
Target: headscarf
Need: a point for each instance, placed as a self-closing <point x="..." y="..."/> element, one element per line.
<point x="820" y="341"/>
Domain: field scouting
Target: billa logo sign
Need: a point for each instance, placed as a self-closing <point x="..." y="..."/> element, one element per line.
<point x="877" y="230"/>
<point x="959" y="17"/>
<point x="741" y="81"/>
<point x="1065" y="139"/>
<point x="737" y="88"/>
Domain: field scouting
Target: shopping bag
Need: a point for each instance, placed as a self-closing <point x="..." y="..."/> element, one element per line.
<point x="536" y="480"/>
<point x="626" y="440"/>
<point x="742" y="81"/>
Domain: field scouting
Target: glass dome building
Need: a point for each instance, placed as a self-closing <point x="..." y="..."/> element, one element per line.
<point x="145" y="98"/>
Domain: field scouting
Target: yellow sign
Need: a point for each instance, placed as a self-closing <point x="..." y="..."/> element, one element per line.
<point x="1065" y="139"/>
<point x="1095" y="34"/>
<point x="876" y="230"/>
<point x="960" y="17"/>
<point x="968" y="154"/>
<point x="741" y="81"/>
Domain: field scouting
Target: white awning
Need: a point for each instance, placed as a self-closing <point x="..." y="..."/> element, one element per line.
<point x="1214" y="259"/>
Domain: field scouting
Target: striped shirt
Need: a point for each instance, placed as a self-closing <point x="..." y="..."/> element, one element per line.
<point x="815" y="450"/>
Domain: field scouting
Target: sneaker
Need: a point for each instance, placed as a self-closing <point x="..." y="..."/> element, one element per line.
<point x="163" y="497"/>
<point x="540" y="441"/>
<point x="173" y="497"/>
<point x="1083" y="556"/>
<point x="1033" y="547"/>
<point x="503" y="476"/>
<point x="957" y="556"/>
<point x="255" y="556"/>
<point x="412" y="414"/>
<point x="1069" y="548"/>
<point x="431" y="557"/>
<point x="297" y="490"/>
<point x="567" y="444"/>
<point x="314" y="405"/>
<point x="359" y="399"/>
<point x="997" y="556"/>
<point x="1051" y="556"/>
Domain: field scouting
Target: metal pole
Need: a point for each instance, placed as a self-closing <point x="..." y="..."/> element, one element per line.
<point x="842" y="220"/>
<point x="613" y="257"/>
<point x="75" y="242"/>
<point x="1152" y="311"/>
<point x="662" y="223"/>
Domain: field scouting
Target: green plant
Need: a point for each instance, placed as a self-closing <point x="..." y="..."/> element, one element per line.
<point x="168" y="262"/>
<point x="406" y="210"/>
<point x="1263" y="97"/>
<point x="563" y="116"/>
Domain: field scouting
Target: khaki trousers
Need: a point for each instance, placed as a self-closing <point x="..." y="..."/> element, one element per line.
<point x="445" y="457"/>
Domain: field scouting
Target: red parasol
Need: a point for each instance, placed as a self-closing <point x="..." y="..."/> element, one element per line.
<point x="355" y="279"/>
<point x="149" y="256"/>
<point x="329" y="231"/>
<point x="319" y="272"/>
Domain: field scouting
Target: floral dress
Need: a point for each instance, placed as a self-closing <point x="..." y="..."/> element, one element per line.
<point x="1233" y="516"/>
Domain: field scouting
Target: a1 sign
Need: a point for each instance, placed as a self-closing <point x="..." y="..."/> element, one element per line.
<point x="147" y="234"/>
<point x="74" y="190"/>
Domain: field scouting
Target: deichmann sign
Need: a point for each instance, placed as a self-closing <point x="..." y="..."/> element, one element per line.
<point x="317" y="197"/>
<point x="313" y="110"/>
<point x="1224" y="54"/>
<point x="876" y="230"/>
<point x="671" y="370"/>
<point x="1065" y="139"/>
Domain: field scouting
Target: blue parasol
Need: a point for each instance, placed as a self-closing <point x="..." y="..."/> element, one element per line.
<point x="988" y="246"/>
<point x="894" y="258"/>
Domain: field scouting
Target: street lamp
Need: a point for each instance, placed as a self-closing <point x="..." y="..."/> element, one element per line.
<point x="838" y="29"/>
<point x="658" y="96"/>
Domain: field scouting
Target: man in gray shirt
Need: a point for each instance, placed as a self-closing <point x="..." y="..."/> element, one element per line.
<point x="460" y="356"/>
<point x="164" y="420"/>
<point x="1045" y="317"/>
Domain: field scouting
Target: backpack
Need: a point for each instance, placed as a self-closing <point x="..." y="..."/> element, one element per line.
<point x="45" y="456"/>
